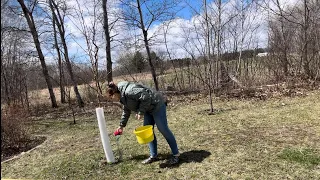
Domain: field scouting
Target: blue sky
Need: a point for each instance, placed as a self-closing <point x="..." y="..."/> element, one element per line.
<point x="175" y="39"/>
<point x="187" y="12"/>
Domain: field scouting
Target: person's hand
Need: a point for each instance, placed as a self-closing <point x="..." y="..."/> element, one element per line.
<point x="118" y="131"/>
<point x="138" y="116"/>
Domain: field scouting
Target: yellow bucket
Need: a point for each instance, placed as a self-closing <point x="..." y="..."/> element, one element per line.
<point x="144" y="134"/>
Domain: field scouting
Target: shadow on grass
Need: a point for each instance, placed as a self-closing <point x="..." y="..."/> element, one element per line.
<point x="188" y="157"/>
<point x="185" y="157"/>
<point x="139" y="157"/>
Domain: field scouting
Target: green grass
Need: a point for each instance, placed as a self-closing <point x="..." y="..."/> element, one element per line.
<point x="305" y="156"/>
<point x="248" y="139"/>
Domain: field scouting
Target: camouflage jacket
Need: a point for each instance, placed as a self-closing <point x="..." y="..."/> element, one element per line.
<point x="138" y="98"/>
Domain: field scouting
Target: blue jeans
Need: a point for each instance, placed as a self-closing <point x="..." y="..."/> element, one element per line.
<point x="160" y="119"/>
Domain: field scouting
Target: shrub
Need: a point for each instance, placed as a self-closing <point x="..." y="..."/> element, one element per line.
<point x="14" y="134"/>
<point x="89" y="93"/>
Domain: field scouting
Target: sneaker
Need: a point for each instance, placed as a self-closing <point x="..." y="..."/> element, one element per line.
<point x="173" y="160"/>
<point x="150" y="160"/>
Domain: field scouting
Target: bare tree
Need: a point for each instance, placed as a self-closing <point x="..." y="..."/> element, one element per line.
<point x="108" y="40"/>
<point x="60" y="63"/>
<point x="298" y="24"/>
<point x="28" y="14"/>
<point x="306" y="25"/>
<point x="224" y="79"/>
<point x="241" y="28"/>
<point x="60" y="24"/>
<point x="284" y="41"/>
<point x="208" y="54"/>
<point x="90" y="32"/>
<point x="165" y="33"/>
<point x="143" y="15"/>
<point x="197" y="44"/>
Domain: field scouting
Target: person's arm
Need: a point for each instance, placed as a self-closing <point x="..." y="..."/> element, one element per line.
<point x="125" y="116"/>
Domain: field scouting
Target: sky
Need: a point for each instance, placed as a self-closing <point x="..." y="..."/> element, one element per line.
<point x="182" y="32"/>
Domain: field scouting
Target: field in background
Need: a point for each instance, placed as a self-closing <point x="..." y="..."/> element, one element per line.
<point x="87" y="91"/>
<point x="247" y="139"/>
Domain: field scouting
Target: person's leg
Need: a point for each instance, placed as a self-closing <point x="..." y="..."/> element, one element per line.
<point x="160" y="118"/>
<point x="148" y="120"/>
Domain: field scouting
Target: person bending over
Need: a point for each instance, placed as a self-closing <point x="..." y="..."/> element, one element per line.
<point x="149" y="105"/>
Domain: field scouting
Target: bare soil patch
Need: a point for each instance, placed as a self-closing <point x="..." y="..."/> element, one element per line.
<point x="28" y="144"/>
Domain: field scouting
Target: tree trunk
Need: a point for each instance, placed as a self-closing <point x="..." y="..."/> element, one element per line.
<point x="284" y="49"/>
<point x="108" y="40"/>
<point x="69" y="67"/>
<point x="238" y="71"/>
<point x="208" y="54"/>
<point x="26" y="94"/>
<point x="29" y="18"/>
<point x="224" y="73"/>
<point x="5" y="82"/>
<point x="66" y="54"/>
<point x="146" y="42"/>
<point x="60" y="66"/>
<point x="305" y="39"/>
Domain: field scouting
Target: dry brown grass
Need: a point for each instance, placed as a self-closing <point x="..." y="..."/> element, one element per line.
<point x="246" y="139"/>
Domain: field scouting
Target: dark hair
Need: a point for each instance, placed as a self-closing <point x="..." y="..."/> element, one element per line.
<point x="112" y="89"/>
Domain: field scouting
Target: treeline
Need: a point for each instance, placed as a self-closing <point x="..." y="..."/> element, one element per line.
<point x="137" y="62"/>
<point x="82" y="73"/>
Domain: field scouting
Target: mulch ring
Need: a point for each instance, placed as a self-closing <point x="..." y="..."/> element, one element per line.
<point x="8" y="153"/>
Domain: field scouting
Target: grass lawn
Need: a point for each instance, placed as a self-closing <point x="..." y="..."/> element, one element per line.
<point x="249" y="139"/>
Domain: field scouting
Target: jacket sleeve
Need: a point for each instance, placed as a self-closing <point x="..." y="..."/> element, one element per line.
<point x="125" y="116"/>
<point x="145" y="99"/>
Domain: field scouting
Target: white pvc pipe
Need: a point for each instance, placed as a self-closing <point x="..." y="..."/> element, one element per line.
<point x="104" y="136"/>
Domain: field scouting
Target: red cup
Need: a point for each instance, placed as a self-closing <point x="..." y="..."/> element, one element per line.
<point x="117" y="132"/>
